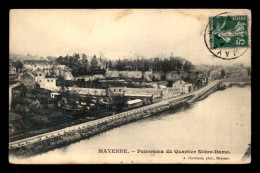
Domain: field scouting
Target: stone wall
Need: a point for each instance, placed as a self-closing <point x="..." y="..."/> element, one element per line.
<point x="124" y="74"/>
<point x="91" y="77"/>
<point x="88" y="91"/>
<point x="72" y="134"/>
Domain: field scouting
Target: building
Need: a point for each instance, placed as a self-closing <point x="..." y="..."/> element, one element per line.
<point x="63" y="71"/>
<point x="171" y="92"/>
<point x="12" y="68"/>
<point x="214" y="74"/>
<point x="172" y="76"/>
<point x="148" y="75"/>
<point x="88" y="91"/>
<point x="157" y="75"/>
<point x="44" y="80"/>
<point x="49" y="83"/>
<point x="34" y="64"/>
<point x="244" y="72"/>
<point x="134" y="103"/>
<point x="203" y="78"/>
<point x="11" y="87"/>
<point x="54" y="94"/>
<point x="138" y="92"/>
<point x="39" y="76"/>
<point x="238" y="72"/>
<point x="28" y="79"/>
<point x="182" y="86"/>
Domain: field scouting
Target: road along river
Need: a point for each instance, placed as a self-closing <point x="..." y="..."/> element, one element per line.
<point x="220" y="124"/>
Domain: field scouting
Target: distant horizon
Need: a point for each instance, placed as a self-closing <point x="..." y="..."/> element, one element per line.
<point x="127" y="57"/>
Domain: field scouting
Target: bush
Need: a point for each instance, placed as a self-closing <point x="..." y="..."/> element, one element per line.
<point x="119" y="101"/>
<point x="35" y="107"/>
<point x="39" y="120"/>
<point x="44" y="101"/>
<point x="21" y="108"/>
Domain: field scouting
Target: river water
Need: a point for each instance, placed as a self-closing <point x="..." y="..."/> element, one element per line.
<point x="222" y="121"/>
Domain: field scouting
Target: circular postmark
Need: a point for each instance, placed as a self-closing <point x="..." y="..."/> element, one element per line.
<point x="227" y="35"/>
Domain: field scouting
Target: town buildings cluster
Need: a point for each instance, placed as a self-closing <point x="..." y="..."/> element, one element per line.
<point x="45" y="92"/>
<point x="145" y="86"/>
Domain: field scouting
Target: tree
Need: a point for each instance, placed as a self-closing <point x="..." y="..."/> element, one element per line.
<point x="188" y="66"/>
<point x="35" y="107"/>
<point x="18" y="65"/>
<point x="223" y="73"/>
<point x="71" y="101"/>
<point x="179" y="63"/>
<point x="84" y="65"/>
<point x="249" y="71"/>
<point x="157" y="64"/>
<point x="36" y="91"/>
<point x="23" y="90"/>
<point x="84" y="110"/>
<point x="71" y="62"/>
<point x="52" y="71"/>
<point x="64" y="93"/>
<point x="119" y="101"/>
<point x="87" y="100"/>
<point x="98" y="103"/>
<point x="119" y="65"/>
<point x="44" y="101"/>
<point x="166" y="66"/>
<point x="109" y="64"/>
<point x="93" y="62"/>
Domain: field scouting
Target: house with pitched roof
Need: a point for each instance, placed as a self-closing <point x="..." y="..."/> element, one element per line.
<point x="28" y="79"/>
<point x="34" y="64"/>
<point x="182" y="87"/>
<point x="63" y="71"/>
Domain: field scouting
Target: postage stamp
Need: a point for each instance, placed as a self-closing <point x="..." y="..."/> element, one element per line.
<point x="229" y="31"/>
<point x="227" y="35"/>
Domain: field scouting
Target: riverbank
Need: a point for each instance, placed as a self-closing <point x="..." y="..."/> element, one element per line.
<point x="67" y="136"/>
<point x="63" y="137"/>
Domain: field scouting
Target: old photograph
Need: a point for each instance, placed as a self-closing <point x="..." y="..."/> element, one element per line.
<point x="130" y="86"/>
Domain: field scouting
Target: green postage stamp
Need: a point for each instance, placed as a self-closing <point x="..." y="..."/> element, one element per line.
<point x="229" y="31"/>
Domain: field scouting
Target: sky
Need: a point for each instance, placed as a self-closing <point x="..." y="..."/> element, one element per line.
<point x="115" y="32"/>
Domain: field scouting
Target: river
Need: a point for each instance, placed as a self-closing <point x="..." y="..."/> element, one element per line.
<point x="222" y="121"/>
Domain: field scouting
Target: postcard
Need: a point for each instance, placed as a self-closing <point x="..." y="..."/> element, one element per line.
<point x="130" y="86"/>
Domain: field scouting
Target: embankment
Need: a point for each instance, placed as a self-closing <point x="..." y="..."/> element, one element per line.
<point x="63" y="137"/>
<point x="60" y="138"/>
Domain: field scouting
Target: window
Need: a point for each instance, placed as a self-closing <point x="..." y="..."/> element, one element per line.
<point x="40" y="81"/>
<point x="48" y="80"/>
<point x="40" y="74"/>
<point x="51" y="80"/>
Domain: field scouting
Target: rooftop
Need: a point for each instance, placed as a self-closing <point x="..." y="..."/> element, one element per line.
<point x="138" y="95"/>
<point x="43" y="62"/>
<point x="50" y="76"/>
<point x="62" y="67"/>
<point x="134" y="101"/>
